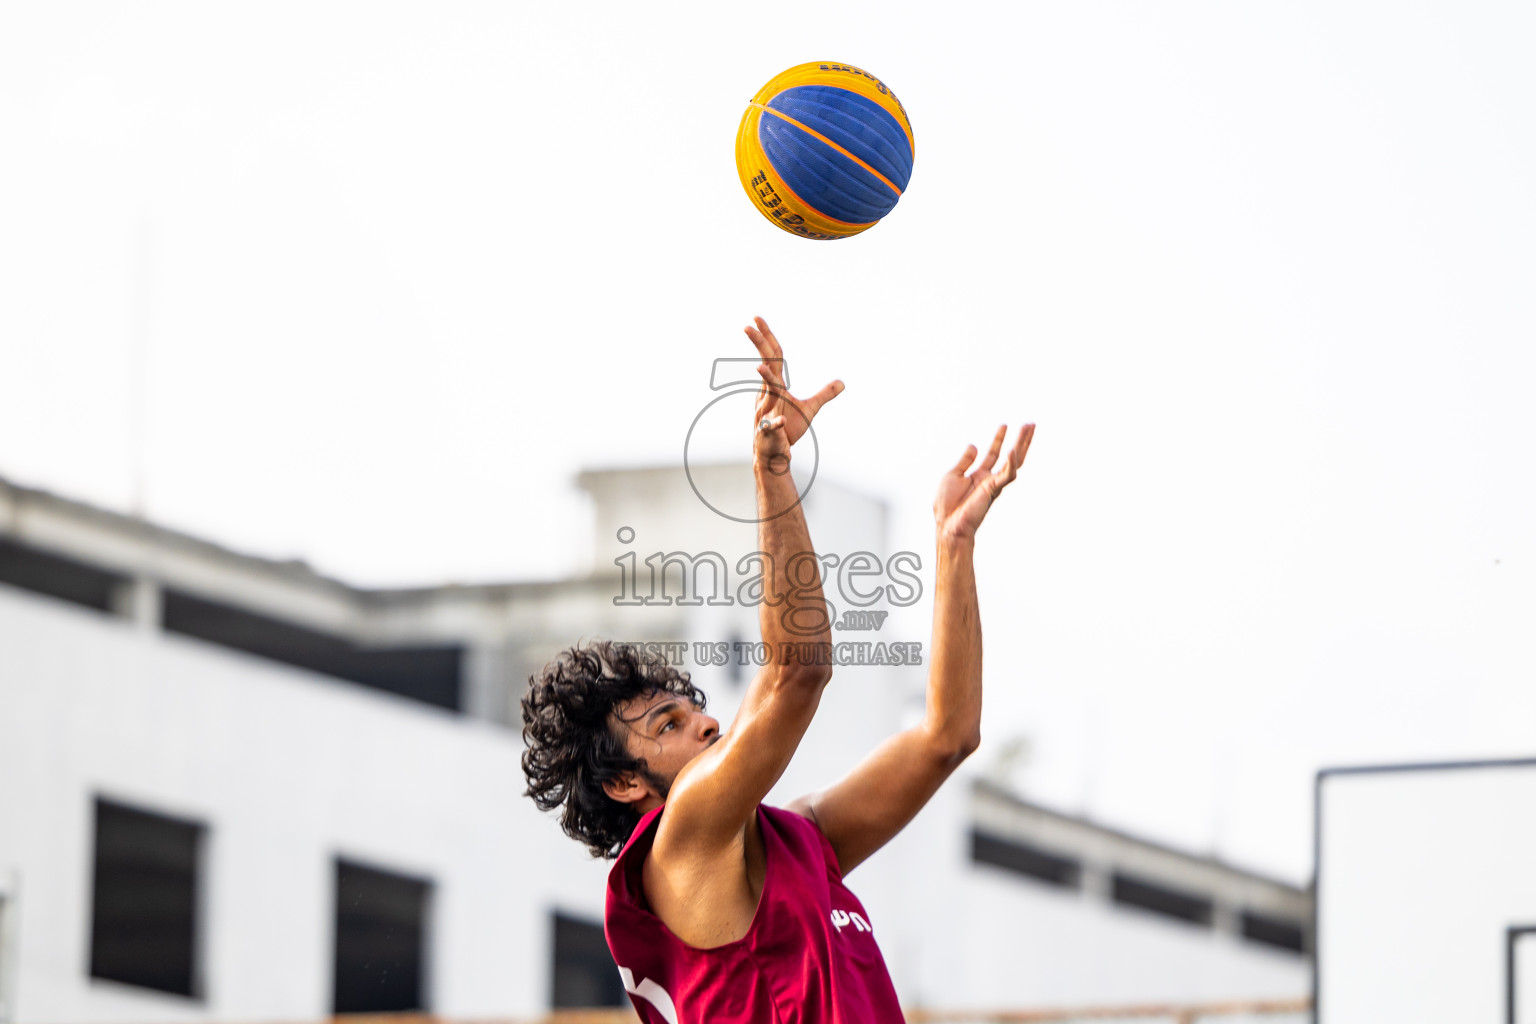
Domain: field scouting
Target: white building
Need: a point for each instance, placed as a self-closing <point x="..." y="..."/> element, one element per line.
<point x="234" y="789"/>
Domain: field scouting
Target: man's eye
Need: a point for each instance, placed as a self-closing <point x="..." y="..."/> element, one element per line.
<point x="668" y="725"/>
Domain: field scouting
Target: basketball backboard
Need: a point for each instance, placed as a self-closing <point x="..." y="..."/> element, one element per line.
<point x="1426" y="893"/>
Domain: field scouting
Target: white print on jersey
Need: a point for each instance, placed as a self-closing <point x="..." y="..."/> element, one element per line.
<point x="843" y="917"/>
<point x="651" y="993"/>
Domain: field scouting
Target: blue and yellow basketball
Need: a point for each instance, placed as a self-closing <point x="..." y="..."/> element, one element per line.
<point x="824" y="150"/>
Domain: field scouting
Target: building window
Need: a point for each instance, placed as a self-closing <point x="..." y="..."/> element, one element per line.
<point x="584" y="974"/>
<point x="144" y="899"/>
<point x="1274" y="931"/>
<point x="431" y="674"/>
<point x="62" y="578"/>
<point x="1026" y="860"/>
<point x="380" y="964"/>
<point x="1136" y="892"/>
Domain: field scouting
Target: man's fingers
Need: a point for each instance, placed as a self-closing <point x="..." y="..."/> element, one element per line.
<point x="771" y="374"/>
<point x="769" y="352"/>
<point x="762" y="337"/>
<point x="815" y="402"/>
<point x="773" y="342"/>
<point x="965" y="460"/>
<point x="994" y="451"/>
<point x="1021" y="446"/>
<point x="1010" y="469"/>
<point x="758" y="341"/>
<point x="763" y="340"/>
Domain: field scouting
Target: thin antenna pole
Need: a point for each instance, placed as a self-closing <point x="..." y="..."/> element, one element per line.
<point x="140" y="334"/>
<point x="1091" y="767"/>
<point x="1225" y="763"/>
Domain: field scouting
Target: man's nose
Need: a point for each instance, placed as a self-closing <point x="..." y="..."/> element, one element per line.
<point x="708" y="726"/>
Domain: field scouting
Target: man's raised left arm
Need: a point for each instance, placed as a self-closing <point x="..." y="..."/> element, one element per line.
<point x="863" y="811"/>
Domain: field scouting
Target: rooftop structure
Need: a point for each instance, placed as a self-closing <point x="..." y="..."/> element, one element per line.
<point x="281" y="749"/>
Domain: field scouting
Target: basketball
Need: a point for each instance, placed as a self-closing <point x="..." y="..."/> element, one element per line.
<point x="824" y="150"/>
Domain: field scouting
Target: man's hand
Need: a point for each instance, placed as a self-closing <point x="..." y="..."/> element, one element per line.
<point x="876" y="800"/>
<point x="788" y="417"/>
<point x="705" y="871"/>
<point x="963" y="499"/>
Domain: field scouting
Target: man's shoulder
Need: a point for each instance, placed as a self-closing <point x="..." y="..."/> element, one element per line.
<point x="793" y="825"/>
<point x="796" y="818"/>
<point x="623" y="876"/>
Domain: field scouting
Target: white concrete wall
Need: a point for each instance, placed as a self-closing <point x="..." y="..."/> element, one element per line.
<point x="990" y="938"/>
<point x="287" y="771"/>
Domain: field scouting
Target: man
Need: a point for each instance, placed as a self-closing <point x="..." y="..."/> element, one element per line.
<point x="722" y="910"/>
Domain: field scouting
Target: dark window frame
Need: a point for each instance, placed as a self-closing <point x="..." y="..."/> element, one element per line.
<point x="1273" y="931"/>
<point x="349" y="928"/>
<point x="36" y="571"/>
<point x="1129" y="890"/>
<point x="1026" y="860"/>
<point x="110" y="958"/>
<point x="429" y="673"/>
<point x="587" y="963"/>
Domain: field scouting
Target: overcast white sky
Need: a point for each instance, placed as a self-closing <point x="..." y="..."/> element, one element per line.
<point x="385" y="276"/>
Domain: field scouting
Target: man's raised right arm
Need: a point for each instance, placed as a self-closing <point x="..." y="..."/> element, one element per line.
<point x="717" y="794"/>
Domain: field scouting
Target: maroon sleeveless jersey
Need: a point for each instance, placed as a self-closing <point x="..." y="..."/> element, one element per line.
<point x="809" y="957"/>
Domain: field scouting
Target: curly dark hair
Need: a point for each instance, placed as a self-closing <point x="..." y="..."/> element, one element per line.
<point x="571" y="749"/>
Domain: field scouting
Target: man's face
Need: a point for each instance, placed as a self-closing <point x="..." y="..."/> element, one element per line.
<point x="667" y="731"/>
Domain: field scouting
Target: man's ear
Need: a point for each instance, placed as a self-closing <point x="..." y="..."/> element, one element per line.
<point x="627" y="788"/>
